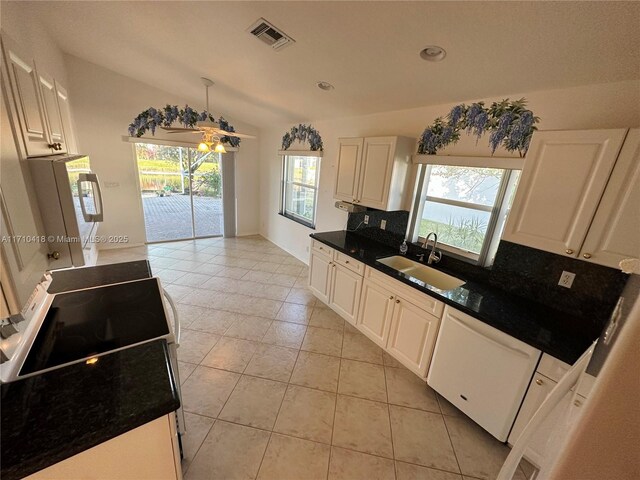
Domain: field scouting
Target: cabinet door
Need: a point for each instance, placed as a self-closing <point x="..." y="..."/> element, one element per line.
<point x="538" y="391"/>
<point x="65" y="116"/>
<point x="376" y="308"/>
<point x="346" y="287"/>
<point x="348" y="169"/>
<point x="24" y="261"/>
<point x="615" y="232"/>
<point x="413" y="335"/>
<point x="52" y="111"/>
<point x="27" y="102"/>
<point x="375" y="172"/>
<point x="564" y="176"/>
<point x="320" y="275"/>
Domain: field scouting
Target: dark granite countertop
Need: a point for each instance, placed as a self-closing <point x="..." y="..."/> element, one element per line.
<point x="55" y="415"/>
<point x="555" y="333"/>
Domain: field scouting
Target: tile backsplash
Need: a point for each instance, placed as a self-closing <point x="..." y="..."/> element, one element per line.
<point x="395" y="229"/>
<point x="534" y="274"/>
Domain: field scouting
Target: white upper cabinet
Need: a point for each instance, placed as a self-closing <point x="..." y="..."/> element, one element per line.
<point x="563" y="180"/>
<point x="52" y="111"/>
<point x="28" y="106"/>
<point x="36" y="98"/>
<point x="373" y="172"/>
<point x="615" y="232"/>
<point x="349" y="160"/>
<point x="65" y="117"/>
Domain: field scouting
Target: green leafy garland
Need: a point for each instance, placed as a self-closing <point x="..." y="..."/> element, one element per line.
<point x="510" y="124"/>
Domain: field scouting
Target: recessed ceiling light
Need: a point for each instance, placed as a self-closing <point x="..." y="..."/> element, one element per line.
<point x="433" y="53"/>
<point x="325" y="86"/>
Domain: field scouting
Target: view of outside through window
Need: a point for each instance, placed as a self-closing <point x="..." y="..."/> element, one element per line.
<point x="181" y="192"/>
<point x="300" y="185"/>
<point x="458" y="204"/>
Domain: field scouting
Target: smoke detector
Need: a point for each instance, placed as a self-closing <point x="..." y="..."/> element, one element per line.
<point x="270" y="35"/>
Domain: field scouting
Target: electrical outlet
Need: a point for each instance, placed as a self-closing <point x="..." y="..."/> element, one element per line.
<point x="383" y="224"/>
<point x="566" y="279"/>
<point x="366" y="219"/>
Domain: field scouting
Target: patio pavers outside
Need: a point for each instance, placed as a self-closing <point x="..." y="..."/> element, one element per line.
<point x="169" y="218"/>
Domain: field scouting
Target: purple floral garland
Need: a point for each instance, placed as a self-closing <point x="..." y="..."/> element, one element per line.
<point x="303" y="133"/>
<point x="152" y="118"/>
<point x="510" y="124"/>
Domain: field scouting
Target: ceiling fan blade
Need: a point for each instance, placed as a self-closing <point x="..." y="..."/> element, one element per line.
<point x="179" y="129"/>
<point x="224" y="133"/>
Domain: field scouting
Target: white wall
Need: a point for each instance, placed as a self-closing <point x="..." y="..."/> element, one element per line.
<point x="104" y="103"/>
<point x="612" y="105"/>
<point x="33" y="37"/>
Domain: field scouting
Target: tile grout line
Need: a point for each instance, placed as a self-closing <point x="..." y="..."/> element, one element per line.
<point x="335" y="404"/>
<point x="453" y="449"/>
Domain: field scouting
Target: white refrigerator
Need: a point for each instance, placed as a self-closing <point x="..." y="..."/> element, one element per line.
<point x="70" y="202"/>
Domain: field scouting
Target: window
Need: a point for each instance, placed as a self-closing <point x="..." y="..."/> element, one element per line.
<point x="300" y="188"/>
<point x="466" y="207"/>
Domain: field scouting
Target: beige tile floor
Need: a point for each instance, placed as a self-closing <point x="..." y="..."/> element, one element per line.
<point x="277" y="386"/>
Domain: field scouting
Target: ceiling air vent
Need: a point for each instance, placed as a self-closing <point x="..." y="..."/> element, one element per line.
<point x="270" y="35"/>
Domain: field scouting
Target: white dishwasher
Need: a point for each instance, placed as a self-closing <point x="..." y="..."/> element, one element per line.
<point x="481" y="370"/>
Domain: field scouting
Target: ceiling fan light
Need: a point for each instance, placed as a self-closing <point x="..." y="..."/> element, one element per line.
<point x="203" y="147"/>
<point x="219" y="148"/>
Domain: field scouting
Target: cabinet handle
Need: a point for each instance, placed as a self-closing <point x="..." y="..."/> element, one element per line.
<point x="391" y="297"/>
<point x="539" y="381"/>
<point x="587" y="255"/>
<point x="321" y="248"/>
<point x="569" y="251"/>
<point x="577" y="403"/>
<point x="53" y="255"/>
<point x="397" y="301"/>
<point x="346" y="261"/>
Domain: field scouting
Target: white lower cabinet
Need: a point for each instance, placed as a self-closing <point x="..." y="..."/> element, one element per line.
<point x="344" y="296"/>
<point x="320" y="275"/>
<point x="412" y="336"/>
<point x="376" y="308"/>
<point x="334" y="279"/>
<point x="549" y="372"/>
<point x="391" y="318"/>
<point x="149" y="451"/>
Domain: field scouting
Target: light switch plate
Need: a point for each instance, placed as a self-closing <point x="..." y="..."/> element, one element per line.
<point x="383" y="224"/>
<point x="366" y="219"/>
<point x="566" y="279"/>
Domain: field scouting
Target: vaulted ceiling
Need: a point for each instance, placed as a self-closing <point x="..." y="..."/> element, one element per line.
<point x="368" y="50"/>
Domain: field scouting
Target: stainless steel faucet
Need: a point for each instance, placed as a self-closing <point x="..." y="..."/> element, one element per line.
<point x="434" y="256"/>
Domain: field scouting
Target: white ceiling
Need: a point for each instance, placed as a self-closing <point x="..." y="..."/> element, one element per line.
<point x="368" y="50"/>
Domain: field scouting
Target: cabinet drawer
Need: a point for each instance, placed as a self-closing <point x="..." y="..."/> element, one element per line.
<point x="348" y="262"/>
<point x="421" y="300"/>
<point x="552" y="368"/>
<point x="321" y="248"/>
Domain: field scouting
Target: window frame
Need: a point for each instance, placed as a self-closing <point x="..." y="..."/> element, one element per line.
<point x="285" y="154"/>
<point x="498" y="211"/>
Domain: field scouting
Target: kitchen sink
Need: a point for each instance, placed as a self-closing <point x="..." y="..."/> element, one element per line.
<point x="426" y="274"/>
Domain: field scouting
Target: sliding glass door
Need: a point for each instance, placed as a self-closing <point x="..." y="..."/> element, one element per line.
<point x="181" y="191"/>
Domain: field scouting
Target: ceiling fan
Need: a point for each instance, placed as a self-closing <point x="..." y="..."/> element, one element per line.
<point x="211" y="131"/>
